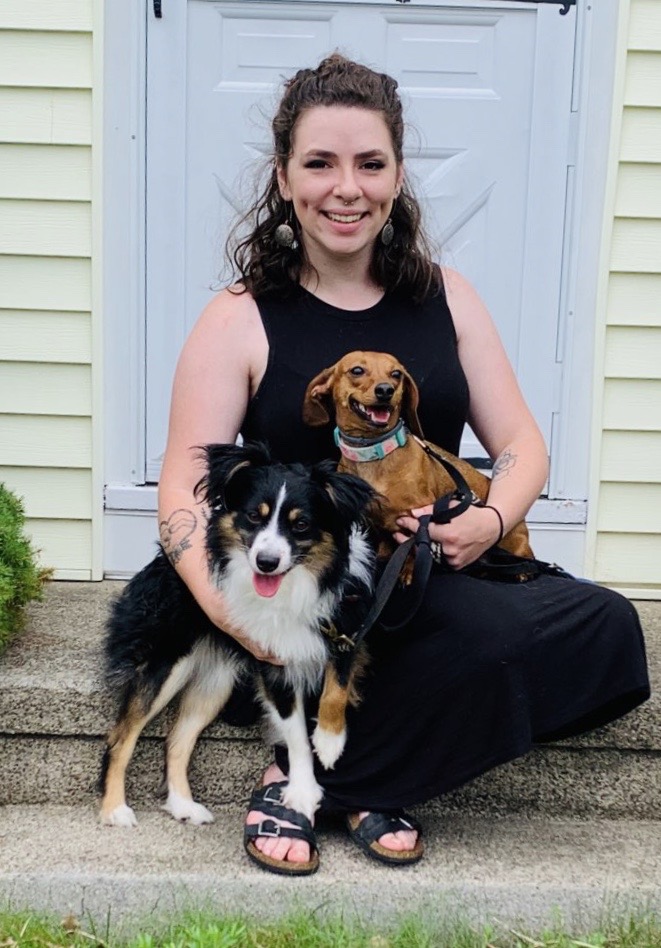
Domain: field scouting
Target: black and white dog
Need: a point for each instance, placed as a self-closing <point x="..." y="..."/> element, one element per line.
<point x="287" y="549"/>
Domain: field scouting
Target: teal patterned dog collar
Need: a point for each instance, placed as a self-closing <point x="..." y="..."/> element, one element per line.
<point x="361" y="449"/>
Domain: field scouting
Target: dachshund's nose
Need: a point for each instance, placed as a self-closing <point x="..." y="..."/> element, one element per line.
<point x="384" y="391"/>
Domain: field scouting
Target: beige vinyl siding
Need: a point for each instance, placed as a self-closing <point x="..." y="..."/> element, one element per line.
<point x="70" y="15"/>
<point x="45" y="274"/>
<point x="628" y="516"/>
<point x="45" y="172"/>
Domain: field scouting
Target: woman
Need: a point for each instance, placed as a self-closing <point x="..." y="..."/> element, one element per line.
<point x="335" y="261"/>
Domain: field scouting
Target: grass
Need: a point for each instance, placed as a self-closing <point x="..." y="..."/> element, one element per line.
<point x="305" y="930"/>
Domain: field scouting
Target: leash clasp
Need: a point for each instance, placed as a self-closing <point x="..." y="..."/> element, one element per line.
<point x="340" y="641"/>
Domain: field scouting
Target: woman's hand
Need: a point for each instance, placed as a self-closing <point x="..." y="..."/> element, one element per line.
<point x="250" y="646"/>
<point x="463" y="539"/>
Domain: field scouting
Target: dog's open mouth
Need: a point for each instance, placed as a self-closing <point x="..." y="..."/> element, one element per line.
<point x="377" y="415"/>
<point x="267" y="584"/>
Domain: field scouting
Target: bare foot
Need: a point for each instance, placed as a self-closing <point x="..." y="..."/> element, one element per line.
<point x="281" y="848"/>
<point x="402" y="841"/>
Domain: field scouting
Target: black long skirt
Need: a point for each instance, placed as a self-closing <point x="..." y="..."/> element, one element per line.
<point x="485" y="670"/>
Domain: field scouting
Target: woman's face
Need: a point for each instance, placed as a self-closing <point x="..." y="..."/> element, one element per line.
<point x="342" y="178"/>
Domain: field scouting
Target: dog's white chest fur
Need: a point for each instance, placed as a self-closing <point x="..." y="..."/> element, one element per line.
<point x="287" y="624"/>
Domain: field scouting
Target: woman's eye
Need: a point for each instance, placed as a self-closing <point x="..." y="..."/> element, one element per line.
<point x="254" y="516"/>
<point x="373" y="165"/>
<point x="316" y="163"/>
<point x="301" y="525"/>
<point x="357" y="370"/>
<point x="396" y="374"/>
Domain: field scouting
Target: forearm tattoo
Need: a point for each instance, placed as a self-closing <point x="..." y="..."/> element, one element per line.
<point x="503" y="465"/>
<point x="175" y="532"/>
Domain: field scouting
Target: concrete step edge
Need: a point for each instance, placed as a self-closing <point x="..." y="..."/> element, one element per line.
<point x="59" y="859"/>
<point x="550" y="780"/>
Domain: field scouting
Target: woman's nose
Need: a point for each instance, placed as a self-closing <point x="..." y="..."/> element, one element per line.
<point x="347" y="188"/>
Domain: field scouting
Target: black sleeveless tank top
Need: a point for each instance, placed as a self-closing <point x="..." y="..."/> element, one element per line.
<point x="306" y="335"/>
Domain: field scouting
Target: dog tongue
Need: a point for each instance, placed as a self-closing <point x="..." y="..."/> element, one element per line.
<point x="379" y="415"/>
<point x="266" y="586"/>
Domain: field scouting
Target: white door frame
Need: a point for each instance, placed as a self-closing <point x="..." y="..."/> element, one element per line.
<point x="129" y="506"/>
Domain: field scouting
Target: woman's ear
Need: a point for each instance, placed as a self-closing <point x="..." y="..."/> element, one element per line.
<point x="283" y="185"/>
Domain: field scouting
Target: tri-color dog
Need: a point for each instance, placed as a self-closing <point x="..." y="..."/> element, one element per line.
<point x="288" y="552"/>
<point x="374" y="402"/>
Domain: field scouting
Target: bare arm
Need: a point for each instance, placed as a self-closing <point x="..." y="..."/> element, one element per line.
<point x="218" y="370"/>
<point x="501" y="420"/>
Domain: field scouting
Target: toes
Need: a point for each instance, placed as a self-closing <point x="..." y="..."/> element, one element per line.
<point x="399" y="842"/>
<point x="280" y="848"/>
<point x="284" y="849"/>
<point x="299" y="851"/>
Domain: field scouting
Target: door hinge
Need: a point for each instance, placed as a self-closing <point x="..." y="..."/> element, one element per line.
<point x="158" y="9"/>
<point x="564" y="4"/>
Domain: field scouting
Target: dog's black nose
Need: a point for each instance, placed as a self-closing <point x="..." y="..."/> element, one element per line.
<point x="266" y="563"/>
<point x="384" y="391"/>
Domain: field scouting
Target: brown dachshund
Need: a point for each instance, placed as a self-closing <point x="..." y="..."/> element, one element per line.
<point x="370" y="393"/>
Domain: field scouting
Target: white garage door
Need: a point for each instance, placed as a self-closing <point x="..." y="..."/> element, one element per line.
<point x="487" y="88"/>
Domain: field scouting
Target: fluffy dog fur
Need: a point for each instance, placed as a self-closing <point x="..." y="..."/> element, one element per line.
<point x="367" y="393"/>
<point x="288" y="552"/>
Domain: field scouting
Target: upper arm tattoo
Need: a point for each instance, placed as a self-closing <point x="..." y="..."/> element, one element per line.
<point x="503" y="465"/>
<point x="175" y="532"/>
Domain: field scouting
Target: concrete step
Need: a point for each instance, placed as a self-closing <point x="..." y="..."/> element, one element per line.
<point x="503" y="871"/>
<point x="54" y="714"/>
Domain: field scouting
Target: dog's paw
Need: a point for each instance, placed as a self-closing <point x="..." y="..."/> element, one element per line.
<point x="406" y="573"/>
<point x="304" y="800"/>
<point x="328" y="746"/>
<point x="187" y="811"/>
<point x="122" y="815"/>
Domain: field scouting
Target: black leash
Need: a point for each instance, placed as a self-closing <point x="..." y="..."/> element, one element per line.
<point x="493" y="564"/>
<point x="424" y="559"/>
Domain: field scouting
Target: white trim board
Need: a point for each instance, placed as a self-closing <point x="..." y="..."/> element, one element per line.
<point x="120" y="497"/>
<point x="131" y="537"/>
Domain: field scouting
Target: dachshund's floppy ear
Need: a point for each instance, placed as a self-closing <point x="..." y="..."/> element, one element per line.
<point x="318" y="400"/>
<point x="223" y="462"/>
<point x="410" y="402"/>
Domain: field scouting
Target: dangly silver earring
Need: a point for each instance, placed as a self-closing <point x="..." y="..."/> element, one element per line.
<point x="388" y="231"/>
<point x="284" y="233"/>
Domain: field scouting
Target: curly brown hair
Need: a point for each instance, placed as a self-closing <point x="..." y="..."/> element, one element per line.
<point x="263" y="266"/>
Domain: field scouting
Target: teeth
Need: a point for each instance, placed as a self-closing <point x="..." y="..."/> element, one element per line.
<point x="345" y="218"/>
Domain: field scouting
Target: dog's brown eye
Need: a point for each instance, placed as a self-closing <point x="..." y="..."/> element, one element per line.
<point x="396" y="374"/>
<point x="254" y="516"/>
<point x="357" y="370"/>
<point x="301" y="525"/>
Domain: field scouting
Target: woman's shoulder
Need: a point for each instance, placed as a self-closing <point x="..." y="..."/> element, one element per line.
<point x="232" y="303"/>
<point x="228" y="325"/>
<point x="232" y="311"/>
<point x="469" y="313"/>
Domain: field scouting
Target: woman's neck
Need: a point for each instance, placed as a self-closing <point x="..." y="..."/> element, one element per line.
<point x="347" y="287"/>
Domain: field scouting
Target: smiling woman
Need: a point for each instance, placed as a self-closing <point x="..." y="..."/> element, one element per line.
<point x="342" y="178"/>
<point x="335" y="261"/>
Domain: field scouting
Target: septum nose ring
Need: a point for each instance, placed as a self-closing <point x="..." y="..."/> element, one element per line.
<point x="349" y="203"/>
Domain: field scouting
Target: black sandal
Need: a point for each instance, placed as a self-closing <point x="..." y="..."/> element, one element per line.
<point x="268" y="800"/>
<point x="366" y="833"/>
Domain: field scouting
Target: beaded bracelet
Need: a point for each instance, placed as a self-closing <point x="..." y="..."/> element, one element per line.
<point x="500" y="519"/>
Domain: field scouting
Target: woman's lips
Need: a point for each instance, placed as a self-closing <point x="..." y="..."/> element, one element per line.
<point x="344" y="218"/>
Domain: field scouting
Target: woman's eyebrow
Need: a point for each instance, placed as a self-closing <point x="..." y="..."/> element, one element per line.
<point x="322" y="153"/>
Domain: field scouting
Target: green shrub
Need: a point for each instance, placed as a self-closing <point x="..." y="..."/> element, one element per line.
<point x="21" y="578"/>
